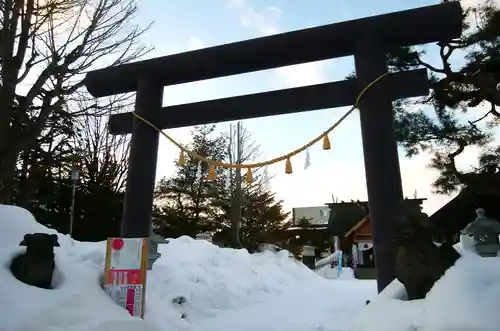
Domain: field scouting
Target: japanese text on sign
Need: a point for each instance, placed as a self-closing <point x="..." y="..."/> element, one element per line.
<point x="126" y="273"/>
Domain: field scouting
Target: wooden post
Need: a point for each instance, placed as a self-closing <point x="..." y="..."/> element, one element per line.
<point x="136" y="219"/>
<point x="383" y="177"/>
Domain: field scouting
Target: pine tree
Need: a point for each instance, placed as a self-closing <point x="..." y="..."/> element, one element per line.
<point x="187" y="202"/>
<point x="262" y="216"/>
<point x="436" y="124"/>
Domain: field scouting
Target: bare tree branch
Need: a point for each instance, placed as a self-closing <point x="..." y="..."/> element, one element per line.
<point x="46" y="48"/>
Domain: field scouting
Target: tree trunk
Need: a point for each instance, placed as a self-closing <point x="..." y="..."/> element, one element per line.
<point x="8" y="157"/>
<point x="7" y="176"/>
<point x="24" y="181"/>
<point x="236" y="212"/>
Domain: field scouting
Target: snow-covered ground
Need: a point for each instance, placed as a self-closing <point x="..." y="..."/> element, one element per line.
<point x="225" y="289"/>
<point x="232" y="290"/>
<point x="466" y="298"/>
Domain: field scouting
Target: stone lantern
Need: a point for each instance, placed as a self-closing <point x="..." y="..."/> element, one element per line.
<point x="153" y="254"/>
<point x="484" y="232"/>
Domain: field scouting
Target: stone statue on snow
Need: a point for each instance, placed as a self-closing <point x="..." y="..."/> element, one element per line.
<point x="36" y="265"/>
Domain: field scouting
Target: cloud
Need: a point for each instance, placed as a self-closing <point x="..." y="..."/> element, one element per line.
<point x="302" y="74"/>
<point x="266" y="22"/>
<point x="195" y="43"/>
<point x="263" y="22"/>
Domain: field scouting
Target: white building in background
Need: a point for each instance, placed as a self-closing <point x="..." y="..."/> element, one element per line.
<point x="318" y="215"/>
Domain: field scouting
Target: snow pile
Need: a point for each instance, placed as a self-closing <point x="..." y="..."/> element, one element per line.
<point x="227" y="289"/>
<point x="214" y="279"/>
<point x="333" y="273"/>
<point x="222" y="288"/>
<point x="466" y="298"/>
<point x="77" y="304"/>
<point x="466" y="244"/>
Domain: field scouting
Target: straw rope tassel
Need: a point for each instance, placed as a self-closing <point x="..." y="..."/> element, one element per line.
<point x="326" y="142"/>
<point x="288" y="166"/>
<point x="249" y="178"/>
<point x="211" y="173"/>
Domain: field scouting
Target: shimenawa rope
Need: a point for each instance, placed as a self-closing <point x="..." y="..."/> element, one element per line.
<point x="249" y="166"/>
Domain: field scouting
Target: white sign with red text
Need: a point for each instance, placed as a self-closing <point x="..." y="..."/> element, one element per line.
<point x="125" y="273"/>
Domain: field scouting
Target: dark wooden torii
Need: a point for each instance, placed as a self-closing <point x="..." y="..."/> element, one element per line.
<point x="368" y="39"/>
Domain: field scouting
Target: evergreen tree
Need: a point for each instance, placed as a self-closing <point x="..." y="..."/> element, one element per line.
<point x="304" y="222"/>
<point x="466" y="87"/>
<point x="262" y="216"/>
<point x="187" y="202"/>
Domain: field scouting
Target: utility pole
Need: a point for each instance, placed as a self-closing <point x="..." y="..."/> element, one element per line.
<point x="239" y="192"/>
<point x="230" y="150"/>
<point x="235" y="156"/>
<point x="75" y="175"/>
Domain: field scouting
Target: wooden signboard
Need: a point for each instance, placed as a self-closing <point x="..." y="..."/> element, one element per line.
<point x="125" y="273"/>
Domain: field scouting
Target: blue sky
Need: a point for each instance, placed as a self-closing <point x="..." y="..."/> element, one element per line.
<point x="184" y="25"/>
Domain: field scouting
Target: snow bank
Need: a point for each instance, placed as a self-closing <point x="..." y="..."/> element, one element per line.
<point x="333" y="273"/>
<point x="227" y="289"/>
<point x="77" y="304"/>
<point x="223" y="288"/>
<point x="214" y="279"/>
<point x="466" y="298"/>
<point x="466" y="244"/>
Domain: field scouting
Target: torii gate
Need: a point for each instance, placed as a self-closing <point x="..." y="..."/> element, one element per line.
<point x="368" y="39"/>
